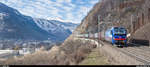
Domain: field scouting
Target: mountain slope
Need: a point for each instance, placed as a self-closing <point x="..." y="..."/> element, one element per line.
<point x="118" y="12"/>
<point x="15" y="26"/>
<point x="131" y="14"/>
<point x="66" y="25"/>
<point x="55" y="27"/>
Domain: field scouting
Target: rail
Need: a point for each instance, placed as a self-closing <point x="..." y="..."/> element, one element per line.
<point x="139" y="56"/>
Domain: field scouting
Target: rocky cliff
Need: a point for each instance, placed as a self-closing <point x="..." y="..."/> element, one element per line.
<point x="131" y="14"/>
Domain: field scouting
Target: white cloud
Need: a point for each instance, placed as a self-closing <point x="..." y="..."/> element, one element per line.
<point x="63" y="10"/>
<point x="63" y="1"/>
<point x="94" y="1"/>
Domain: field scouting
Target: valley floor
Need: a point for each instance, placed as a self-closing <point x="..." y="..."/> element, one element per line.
<point x="78" y="51"/>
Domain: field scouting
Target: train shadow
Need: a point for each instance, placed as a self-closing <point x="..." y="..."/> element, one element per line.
<point x="138" y="43"/>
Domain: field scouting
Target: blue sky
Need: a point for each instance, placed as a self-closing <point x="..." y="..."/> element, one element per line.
<point x="62" y="10"/>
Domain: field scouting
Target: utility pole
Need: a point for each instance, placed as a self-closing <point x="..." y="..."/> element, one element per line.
<point x="98" y="26"/>
<point x="130" y="34"/>
<point x="98" y="22"/>
<point x="131" y="24"/>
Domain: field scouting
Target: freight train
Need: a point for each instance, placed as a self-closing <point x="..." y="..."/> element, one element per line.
<point x="114" y="35"/>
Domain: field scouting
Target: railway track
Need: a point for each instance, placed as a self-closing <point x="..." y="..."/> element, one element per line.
<point x="146" y="48"/>
<point x="138" y="53"/>
<point x="139" y="56"/>
<point x="143" y="47"/>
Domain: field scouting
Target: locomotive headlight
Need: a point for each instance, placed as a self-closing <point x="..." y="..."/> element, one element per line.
<point x="113" y="37"/>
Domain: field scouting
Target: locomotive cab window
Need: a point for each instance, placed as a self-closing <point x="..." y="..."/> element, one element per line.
<point x="119" y="31"/>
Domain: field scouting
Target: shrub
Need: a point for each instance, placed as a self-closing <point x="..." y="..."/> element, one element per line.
<point x="76" y="50"/>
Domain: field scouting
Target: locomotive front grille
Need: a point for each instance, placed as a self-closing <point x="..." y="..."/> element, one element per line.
<point x="119" y="42"/>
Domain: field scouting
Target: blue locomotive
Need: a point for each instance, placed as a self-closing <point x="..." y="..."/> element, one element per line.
<point x="117" y="36"/>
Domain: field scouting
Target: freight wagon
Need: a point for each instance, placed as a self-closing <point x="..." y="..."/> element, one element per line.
<point x="114" y="35"/>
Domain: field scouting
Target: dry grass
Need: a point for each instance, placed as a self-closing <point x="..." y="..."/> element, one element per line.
<point x="95" y="58"/>
<point x="71" y="53"/>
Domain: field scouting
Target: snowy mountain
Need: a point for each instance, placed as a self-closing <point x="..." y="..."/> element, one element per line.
<point x="15" y="26"/>
<point x="66" y="25"/>
<point x="55" y="28"/>
<point x="53" y="25"/>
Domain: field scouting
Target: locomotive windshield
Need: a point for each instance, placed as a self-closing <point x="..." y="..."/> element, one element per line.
<point x="118" y="30"/>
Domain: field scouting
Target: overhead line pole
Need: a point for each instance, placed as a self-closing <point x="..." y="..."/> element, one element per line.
<point x="98" y="22"/>
<point x="131" y="24"/>
<point x="98" y="26"/>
